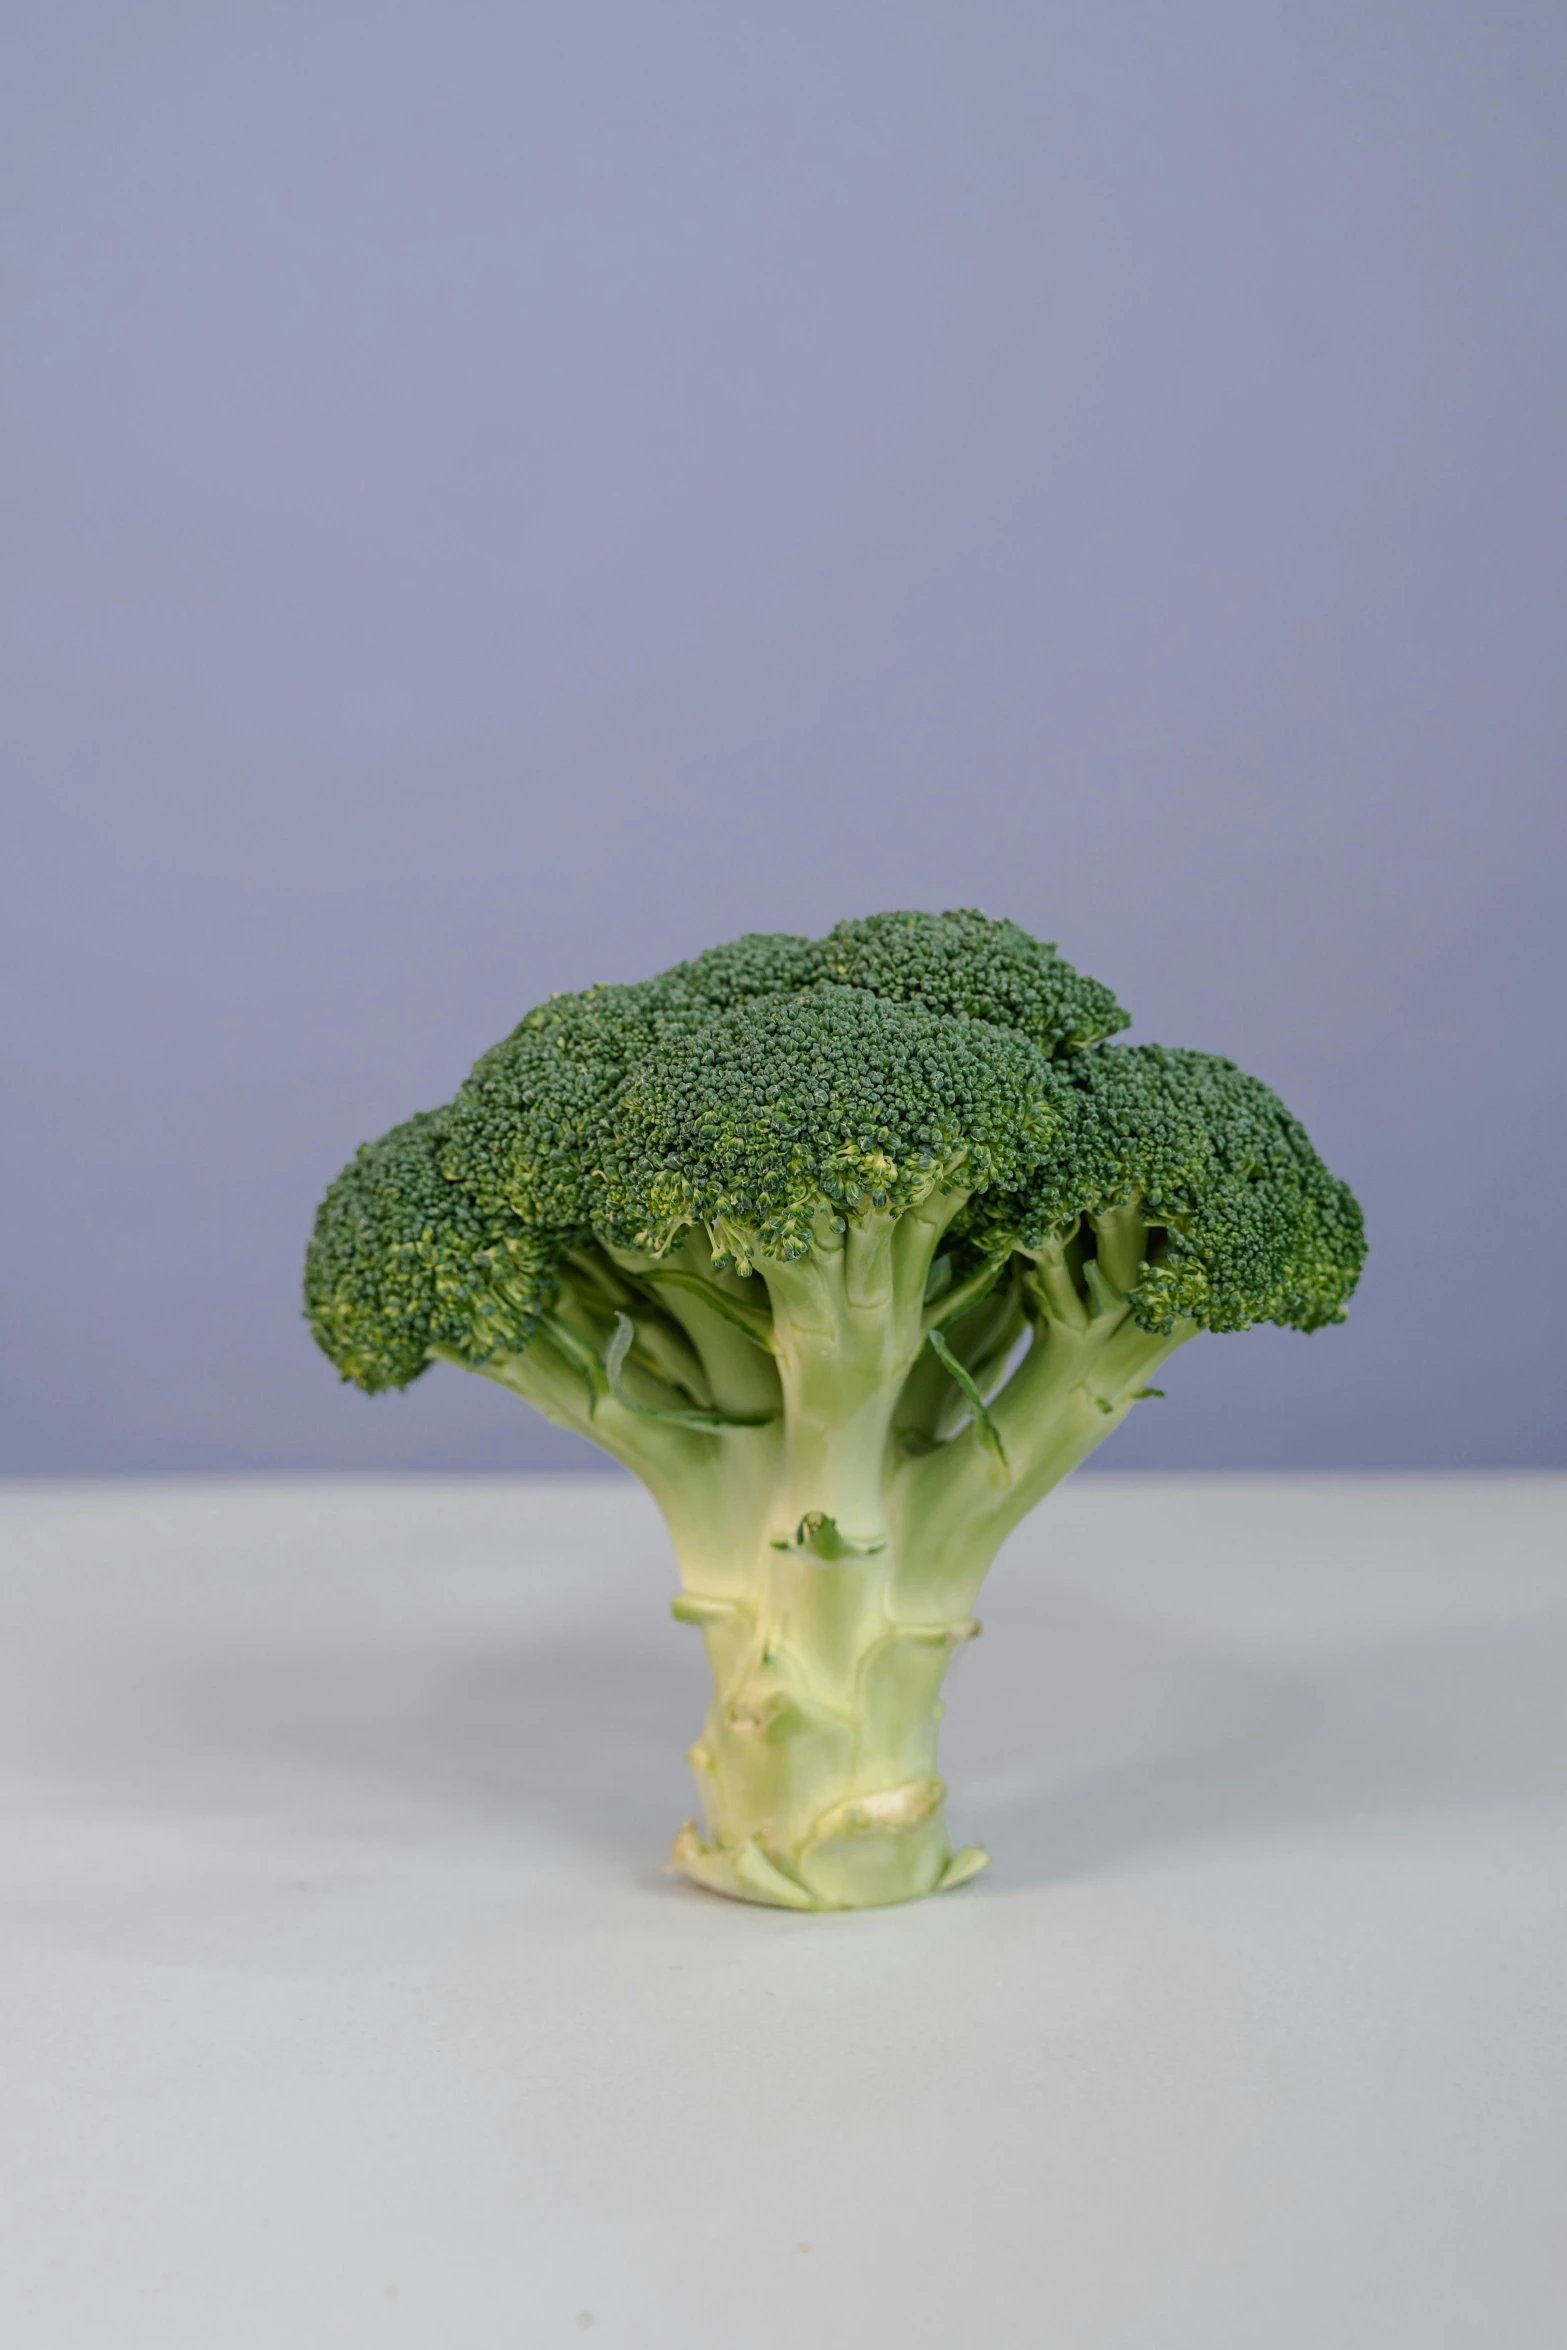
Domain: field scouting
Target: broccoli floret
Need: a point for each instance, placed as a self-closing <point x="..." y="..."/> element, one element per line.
<point x="850" y="1248"/>
<point x="404" y="1265"/>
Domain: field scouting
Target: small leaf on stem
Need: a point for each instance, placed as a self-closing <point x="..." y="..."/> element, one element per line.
<point x="989" y="1433"/>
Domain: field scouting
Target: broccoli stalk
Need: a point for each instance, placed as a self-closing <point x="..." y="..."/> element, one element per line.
<point x="850" y="1250"/>
<point x="831" y="1525"/>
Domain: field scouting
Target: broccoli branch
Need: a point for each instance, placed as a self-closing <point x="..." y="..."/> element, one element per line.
<point x="1087" y="1362"/>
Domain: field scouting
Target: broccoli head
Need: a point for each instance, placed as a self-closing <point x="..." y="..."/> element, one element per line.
<point x="850" y="1248"/>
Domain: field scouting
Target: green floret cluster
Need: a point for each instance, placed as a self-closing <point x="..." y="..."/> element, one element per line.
<point x="972" y="968"/>
<point x="1244" y="1222"/>
<point x="405" y="1261"/>
<point x="770" y="1089"/>
<point x="827" y="1102"/>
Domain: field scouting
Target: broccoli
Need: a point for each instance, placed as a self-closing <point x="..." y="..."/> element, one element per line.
<point x="850" y="1249"/>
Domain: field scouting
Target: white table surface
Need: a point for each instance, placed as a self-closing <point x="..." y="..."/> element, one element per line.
<point x="343" y="2002"/>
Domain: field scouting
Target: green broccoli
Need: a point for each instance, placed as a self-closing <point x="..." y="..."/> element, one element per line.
<point x="850" y="1249"/>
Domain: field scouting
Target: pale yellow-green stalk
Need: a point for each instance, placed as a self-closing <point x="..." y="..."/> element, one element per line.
<point x="835" y="1502"/>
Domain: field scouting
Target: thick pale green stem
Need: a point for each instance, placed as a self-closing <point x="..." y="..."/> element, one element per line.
<point x="831" y="1538"/>
<point x="817" y="1762"/>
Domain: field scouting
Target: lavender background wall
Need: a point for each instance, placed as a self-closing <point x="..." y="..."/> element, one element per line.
<point x="501" y="496"/>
